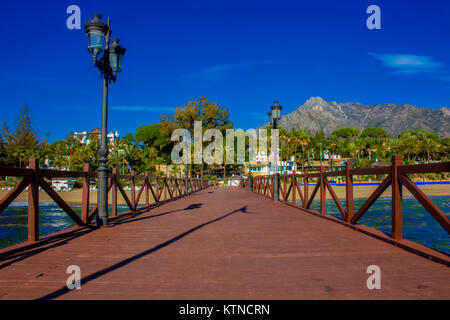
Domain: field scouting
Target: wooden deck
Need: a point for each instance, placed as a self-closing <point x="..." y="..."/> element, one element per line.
<point x="221" y="243"/>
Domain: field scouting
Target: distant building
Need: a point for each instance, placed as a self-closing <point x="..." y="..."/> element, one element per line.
<point x="85" y="137"/>
<point x="63" y="184"/>
<point x="264" y="165"/>
<point x="234" y="181"/>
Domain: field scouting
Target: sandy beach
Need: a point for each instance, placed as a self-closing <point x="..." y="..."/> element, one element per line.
<point x="75" y="197"/>
<point x="359" y="191"/>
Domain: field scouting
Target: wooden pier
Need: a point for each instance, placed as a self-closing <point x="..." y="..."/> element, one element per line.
<point x="223" y="243"/>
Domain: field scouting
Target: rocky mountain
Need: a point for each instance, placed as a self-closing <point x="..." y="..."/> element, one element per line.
<point x="317" y="114"/>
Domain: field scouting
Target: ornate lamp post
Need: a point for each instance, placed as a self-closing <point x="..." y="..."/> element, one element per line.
<point x="109" y="64"/>
<point x="275" y="115"/>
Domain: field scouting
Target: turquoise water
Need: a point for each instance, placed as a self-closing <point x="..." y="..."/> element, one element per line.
<point x="14" y="221"/>
<point x="418" y="225"/>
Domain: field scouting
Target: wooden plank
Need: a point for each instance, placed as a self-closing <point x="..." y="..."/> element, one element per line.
<point x="113" y="182"/>
<point x="133" y="191"/>
<point x="397" y="216"/>
<point x="349" y="191"/>
<point x="302" y="198"/>
<point x="313" y="194"/>
<point x="147" y="200"/>
<point x="140" y="192"/>
<point x="373" y="197"/>
<point x="425" y="168"/>
<point x="125" y="197"/>
<point x="15" y="172"/>
<point x="426" y="202"/>
<point x="61" y="174"/>
<point x="323" y="204"/>
<point x="364" y="171"/>
<point x="33" y="202"/>
<point x="335" y="198"/>
<point x="85" y="195"/>
<point x="11" y="195"/>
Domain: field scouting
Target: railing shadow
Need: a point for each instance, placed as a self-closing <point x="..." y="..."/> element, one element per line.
<point x="130" y="219"/>
<point x="123" y="263"/>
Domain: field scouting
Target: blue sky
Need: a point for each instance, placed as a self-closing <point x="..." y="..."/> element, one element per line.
<point x="241" y="54"/>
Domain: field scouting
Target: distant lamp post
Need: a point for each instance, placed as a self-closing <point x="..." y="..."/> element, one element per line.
<point x="109" y="64"/>
<point x="320" y="153"/>
<point x="275" y="115"/>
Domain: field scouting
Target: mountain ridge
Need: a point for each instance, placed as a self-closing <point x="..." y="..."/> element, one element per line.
<point x="317" y="114"/>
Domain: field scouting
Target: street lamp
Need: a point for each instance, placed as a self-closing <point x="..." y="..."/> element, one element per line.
<point x="275" y="115"/>
<point x="109" y="64"/>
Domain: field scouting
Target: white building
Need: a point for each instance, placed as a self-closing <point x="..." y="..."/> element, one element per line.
<point x="264" y="165"/>
<point x="85" y="136"/>
<point x="234" y="181"/>
<point x="63" y="184"/>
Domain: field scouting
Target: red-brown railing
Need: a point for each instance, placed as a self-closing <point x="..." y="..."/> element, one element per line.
<point x="396" y="176"/>
<point x="161" y="188"/>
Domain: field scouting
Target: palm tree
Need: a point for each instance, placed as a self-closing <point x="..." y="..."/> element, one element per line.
<point x="132" y="155"/>
<point x="430" y="147"/>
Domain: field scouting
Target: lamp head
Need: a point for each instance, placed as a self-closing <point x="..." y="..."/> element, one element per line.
<point x="276" y="111"/>
<point x="95" y="32"/>
<point x="116" y="53"/>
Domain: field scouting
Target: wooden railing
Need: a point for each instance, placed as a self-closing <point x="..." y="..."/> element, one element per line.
<point x="161" y="189"/>
<point x="396" y="176"/>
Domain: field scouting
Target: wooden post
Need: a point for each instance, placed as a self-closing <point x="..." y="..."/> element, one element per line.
<point x="164" y="188"/>
<point x="157" y="187"/>
<point x="305" y="187"/>
<point x="147" y="202"/>
<point x="114" y="193"/>
<point x="294" y="187"/>
<point x="323" y="203"/>
<point x="33" y="202"/>
<point x="133" y="191"/>
<point x="85" y="196"/>
<point x="348" y="191"/>
<point x="397" y="232"/>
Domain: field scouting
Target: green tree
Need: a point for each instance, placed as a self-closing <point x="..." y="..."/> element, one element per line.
<point x="21" y="142"/>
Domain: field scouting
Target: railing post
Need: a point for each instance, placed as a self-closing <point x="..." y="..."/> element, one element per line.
<point x="157" y="187"/>
<point x="85" y="196"/>
<point x="164" y="188"/>
<point x="294" y="187"/>
<point x="276" y="187"/>
<point x="147" y="201"/>
<point x="397" y="232"/>
<point x="33" y="202"/>
<point x="133" y="191"/>
<point x="323" y="204"/>
<point x="305" y="186"/>
<point x="348" y="191"/>
<point x="114" y="192"/>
